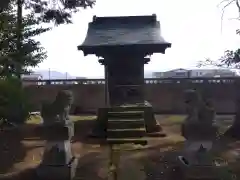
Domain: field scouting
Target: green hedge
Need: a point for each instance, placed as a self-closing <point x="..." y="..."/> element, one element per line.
<point x="14" y="106"/>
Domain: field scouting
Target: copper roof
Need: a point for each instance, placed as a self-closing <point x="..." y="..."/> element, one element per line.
<point x="123" y="31"/>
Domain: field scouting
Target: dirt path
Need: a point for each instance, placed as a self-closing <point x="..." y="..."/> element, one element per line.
<point x="143" y="163"/>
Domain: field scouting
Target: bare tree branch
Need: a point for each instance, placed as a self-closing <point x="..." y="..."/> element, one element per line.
<point x="222" y="2"/>
<point x="224" y="8"/>
<point x="231" y="58"/>
<point x="237" y="3"/>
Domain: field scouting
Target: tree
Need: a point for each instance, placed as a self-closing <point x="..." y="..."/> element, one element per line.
<point x="230" y="58"/>
<point x="41" y="11"/>
<point x="13" y="101"/>
<point x="18" y="49"/>
<point x="58" y="11"/>
<point x="14" y="106"/>
<point x="30" y="53"/>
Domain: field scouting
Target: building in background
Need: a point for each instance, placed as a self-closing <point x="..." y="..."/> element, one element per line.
<point x="79" y="77"/>
<point x="175" y="73"/>
<point x="32" y="76"/>
<point x="192" y="73"/>
<point x="212" y="73"/>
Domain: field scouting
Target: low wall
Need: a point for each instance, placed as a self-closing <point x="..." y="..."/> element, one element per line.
<point x="166" y="95"/>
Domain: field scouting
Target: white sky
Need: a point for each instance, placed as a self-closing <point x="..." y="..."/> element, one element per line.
<point x="192" y="26"/>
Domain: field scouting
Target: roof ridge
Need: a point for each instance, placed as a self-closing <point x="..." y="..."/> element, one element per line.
<point x="125" y="19"/>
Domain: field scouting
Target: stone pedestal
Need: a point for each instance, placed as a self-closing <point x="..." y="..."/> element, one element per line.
<point x="198" y="131"/>
<point x="57" y="172"/>
<point x="199" y="137"/>
<point x="150" y="123"/>
<point x="233" y="131"/>
<point x="58" y="161"/>
<point x="196" y="161"/>
<point x="125" y="91"/>
<point x="100" y="126"/>
<point x="204" y="170"/>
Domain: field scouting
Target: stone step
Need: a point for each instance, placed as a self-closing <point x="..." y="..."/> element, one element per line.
<point x="202" y="178"/>
<point x="126" y="133"/>
<point x="126" y="123"/>
<point x="130" y="109"/>
<point x="126" y="115"/>
<point x="127" y="141"/>
<point x="156" y="134"/>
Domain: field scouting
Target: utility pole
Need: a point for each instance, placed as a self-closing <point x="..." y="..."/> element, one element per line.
<point x="49" y="74"/>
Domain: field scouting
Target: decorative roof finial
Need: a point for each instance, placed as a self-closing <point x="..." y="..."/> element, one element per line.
<point x="154" y="17"/>
<point x="94" y="18"/>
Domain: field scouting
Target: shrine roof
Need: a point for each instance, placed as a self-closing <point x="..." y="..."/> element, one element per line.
<point x="105" y="32"/>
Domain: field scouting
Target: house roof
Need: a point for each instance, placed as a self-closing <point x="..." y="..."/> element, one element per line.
<point x="107" y="32"/>
<point x="178" y="70"/>
<point x="33" y="75"/>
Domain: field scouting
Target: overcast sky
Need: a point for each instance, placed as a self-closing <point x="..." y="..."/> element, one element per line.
<point x="192" y="26"/>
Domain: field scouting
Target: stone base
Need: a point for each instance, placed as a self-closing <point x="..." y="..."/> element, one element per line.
<point x="60" y="172"/>
<point x="57" y="131"/>
<point x="233" y="131"/>
<point x="57" y="152"/>
<point x="193" y="171"/>
<point x="100" y="125"/>
<point x="199" y="131"/>
<point x="151" y="124"/>
<point x="200" y="172"/>
<point x="194" y="146"/>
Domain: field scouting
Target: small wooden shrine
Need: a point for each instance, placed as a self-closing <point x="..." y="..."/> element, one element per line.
<point x="123" y="45"/>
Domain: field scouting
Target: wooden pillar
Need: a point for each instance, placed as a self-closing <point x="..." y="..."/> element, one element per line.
<point x="106" y="98"/>
<point x="126" y="80"/>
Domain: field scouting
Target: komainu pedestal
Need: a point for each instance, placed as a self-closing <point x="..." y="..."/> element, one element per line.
<point x="233" y="131"/>
<point x="58" y="161"/>
<point x="199" y="132"/>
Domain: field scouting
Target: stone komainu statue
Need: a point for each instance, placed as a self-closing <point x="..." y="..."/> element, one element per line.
<point x="58" y="161"/>
<point x="192" y="100"/>
<point x="200" y="115"/>
<point x="59" y="109"/>
<point x="198" y="109"/>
